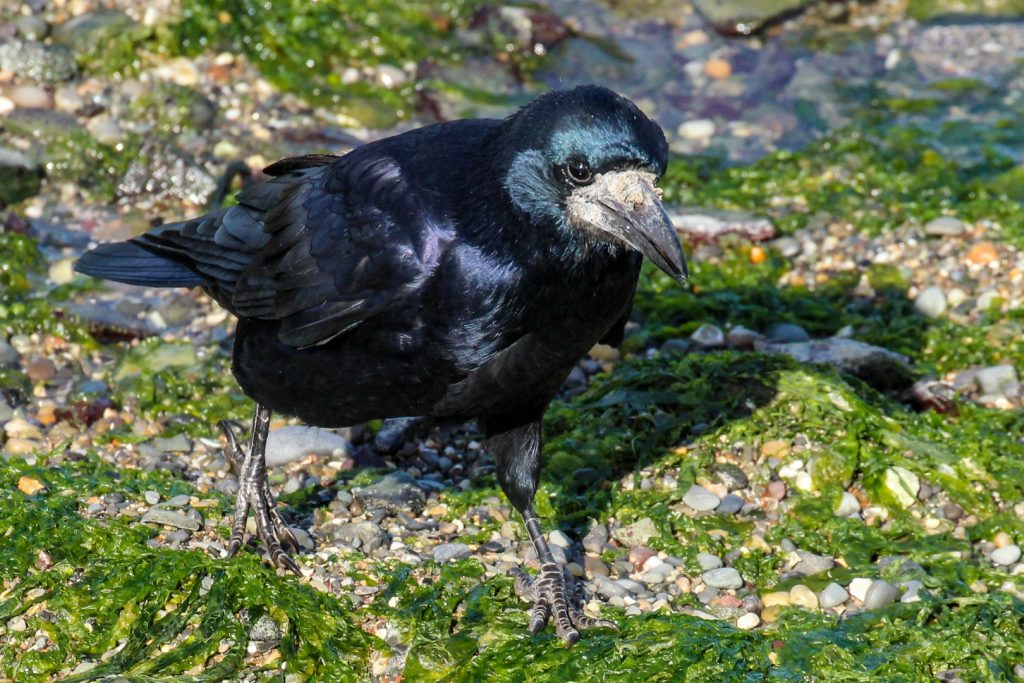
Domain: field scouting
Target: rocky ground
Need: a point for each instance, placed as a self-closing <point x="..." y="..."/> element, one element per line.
<point x="807" y="465"/>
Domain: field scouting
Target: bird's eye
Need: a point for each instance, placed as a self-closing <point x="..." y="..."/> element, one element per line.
<point x="579" y="171"/>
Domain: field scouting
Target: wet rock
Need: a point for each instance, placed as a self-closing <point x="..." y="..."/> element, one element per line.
<point x="448" y="552"/>
<point x="833" y="595"/>
<point x="710" y="225"/>
<point x="786" y="333"/>
<point x="295" y="442"/>
<point x="776" y="489"/>
<point x="171" y="518"/>
<point x="707" y="561"/>
<point x="731" y="476"/>
<point x="393" y="434"/>
<point x="725" y="578"/>
<point x="366" y="536"/>
<point x="396" y="492"/>
<point x="996" y="380"/>
<point x="873" y="364"/>
<point x="696" y="129"/>
<point x="700" y="499"/>
<point x="848" y="505"/>
<point x="265" y="629"/>
<point x="880" y="594"/>
<point x="811" y="564"/>
<point x="20" y="178"/>
<point x="730" y="505"/>
<point x="1006" y="555"/>
<point x="931" y="302"/>
<point x="744" y="17"/>
<point x="637" y="533"/>
<point x="708" y="336"/>
<point x="945" y="226"/>
<point x="163" y="170"/>
<point x="38" y="62"/>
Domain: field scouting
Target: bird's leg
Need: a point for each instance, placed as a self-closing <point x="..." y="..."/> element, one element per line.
<point x="517" y="452"/>
<point x="254" y="493"/>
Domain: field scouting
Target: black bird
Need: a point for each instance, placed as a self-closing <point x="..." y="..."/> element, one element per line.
<point x="457" y="271"/>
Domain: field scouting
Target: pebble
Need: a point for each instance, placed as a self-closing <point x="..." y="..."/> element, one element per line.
<point x="776" y="489"/>
<point x="996" y="379"/>
<point x="28" y="97"/>
<point x="717" y="69"/>
<point x="731" y="476"/>
<point x="365" y="535"/>
<point x="748" y="621"/>
<point x="152" y="497"/>
<point x="811" y="564"/>
<point x="775" y="598"/>
<point x="952" y="511"/>
<point x="446" y="552"/>
<point x="982" y="253"/>
<point x="41" y="370"/>
<point x="880" y="594"/>
<point x="911" y="591"/>
<point x="725" y="578"/>
<point x="707" y="561"/>
<point x="295" y="442"/>
<point x="1006" y="555"/>
<point x="179" y="443"/>
<point x="172" y="518"/>
<point x="700" y="499"/>
<point x="859" y="588"/>
<point x="559" y="538"/>
<point x="30" y="486"/>
<point x="596" y="539"/>
<point x="945" y="226"/>
<point x="833" y="595"/>
<point x="265" y="629"/>
<point x="609" y="588"/>
<point x="803" y="596"/>
<point x="17" y="624"/>
<point x="594" y="566"/>
<point x="848" y="505"/>
<point x="786" y="333"/>
<point x="637" y="533"/>
<point x="639" y="555"/>
<point x="395" y="492"/>
<point x="708" y="336"/>
<point x="903" y="485"/>
<point x="697" y="129"/>
<point x="730" y="505"/>
<point x="931" y="302"/>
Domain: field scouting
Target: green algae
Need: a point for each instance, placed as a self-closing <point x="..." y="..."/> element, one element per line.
<point x="104" y="597"/>
<point x="871" y="176"/>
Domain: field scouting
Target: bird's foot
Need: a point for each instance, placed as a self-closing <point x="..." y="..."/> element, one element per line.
<point x="254" y="494"/>
<point x="550" y="597"/>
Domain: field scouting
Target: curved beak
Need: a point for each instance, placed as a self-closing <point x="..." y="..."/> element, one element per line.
<point x="624" y="206"/>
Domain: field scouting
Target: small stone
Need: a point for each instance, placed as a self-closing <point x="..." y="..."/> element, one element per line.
<point x="859" y="588"/>
<point x="30" y="486"/>
<point x="171" y="518"/>
<point x="179" y="443"/>
<point x="725" y="578"/>
<point x="903" y="485"/>
<point x="752" y="603"/>
<point x="28" y="97"/>
<point x="1002" y="539"/>
<point x="1007" y="555"/>
<point x="997" y="379"/>
<point x="982" y="253"/>
<point x="771" y="614"/>
<point x="848" y="505"/>
<point x="366" y="536"/>
<point x="731" y="476"/>
<point x="786" y="333"/>
<point x="447" y="552"/>
<point x="952" y="511"/>
<point x="42" y="370"/>
<point x="265" y="629"/>
<point x="748" y="621"/>
<point x="931" y="302"/>
<point x="631" y="585"/>
<point x="707" y="561"/>
<point x="152" y="497"/>
<point x="717" y="69"/>
<point x="295" y="442"/>
<point x="945" y="226"/>
<point x="637" y="533"/>
<point x="608" y="588"/>
<point x="880" y="594"/>
<point x="730" y="505"/>
<point x="780" y="598"/>
<point x="698" y="129"/>
<point x="596" y="539"/>
<point x="911" y="591"/>
<point x="740" y="337"/>
<point x="708" y="336"/>
<point x="594" y="566"/>
<point x="17" y="624"/>
<point x="811" y="564"/>
<point x="700" y="499"/>
<point x="803" y="596"/>
<point x="559" y="538"/>
<point x="639" y="555"/>
<point x="396" y="492"/>
<point x="776" y="489"/>
<point x="833" y="595"/>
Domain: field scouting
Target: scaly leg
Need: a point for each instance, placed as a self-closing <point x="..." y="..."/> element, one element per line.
<point x="517" y="452"/>
<point x="254" y="493"/>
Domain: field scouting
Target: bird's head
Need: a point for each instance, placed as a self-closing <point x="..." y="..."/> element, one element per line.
<point x="587" y="160"/>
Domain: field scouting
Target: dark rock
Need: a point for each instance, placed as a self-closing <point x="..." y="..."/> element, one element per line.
<point x="730" y="505"/>
<point x="396" y="492"/>
<point x="393" y="434"/>
<point x="20" y="178"/>
<point x="732" y="476"/>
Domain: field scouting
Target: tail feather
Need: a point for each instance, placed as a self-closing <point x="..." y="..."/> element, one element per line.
<point x="131" y="264"/>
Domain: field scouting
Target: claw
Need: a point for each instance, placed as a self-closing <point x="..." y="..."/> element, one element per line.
<point x="550" y="595"/>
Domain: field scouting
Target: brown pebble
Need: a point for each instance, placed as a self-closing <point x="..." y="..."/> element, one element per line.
<point x="777" y="448"/>
<point x="42" y="370"/>
<point x="30" y="486"/>
<point x="776" y="489"/>
<point x="952" y="511"/>
<point x="982" y="253"/>
<point x="717" y="69"/>
<point x="726" y="600"/>
<point x="640" y="554"/>
<point x="18" y="446"/>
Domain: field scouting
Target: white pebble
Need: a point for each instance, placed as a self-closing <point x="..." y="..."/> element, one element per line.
<point x="748" y="621"/>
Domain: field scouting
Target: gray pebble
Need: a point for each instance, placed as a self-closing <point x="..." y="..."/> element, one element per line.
<point x="849" y="505"/>
<point x="724" y="577"/>
<point x="708" y="336"/>
<point x="931" y="302"/>
<point x="945" y="226"/>
<point x="833" y="595"/>
<point x="152" y="497"/>
<point x="596" y="539"/>
<point x="265" y="629"/>
<point x="700" y="499"/>
<point x="172" y="518"/>
<point x="911" y="591"/>
<point x="708" y="594"/>
<point x="707" y="561"/>
<point x="447" y="552"/>
<point x="811" y="564"/>
<point x="365" y="535"/>
<point x="395" y="492"/>
<point x="178" y="536"/>
<point x="1006" y="555"/>
<point x="178" y="501"/>
<point x="631" y="585"/>
<point x="608" y="588"/>
<point x="731" y="476"/>
<point x="730" y="505"/>
<point x="786" y="333"/>
<point x="880" y="594"/>
<point x="559" y="538"/>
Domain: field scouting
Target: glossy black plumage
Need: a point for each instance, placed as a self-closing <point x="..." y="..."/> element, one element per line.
<point x="439" y="272"/>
